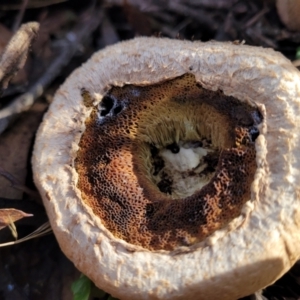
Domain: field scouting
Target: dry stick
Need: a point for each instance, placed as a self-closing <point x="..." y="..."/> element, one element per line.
<point x="30" y="206"/>
<point x="179" y="7"/>
<point x="198" y="15"/>
<point x="211" y="4"/>
<point x="260" y="38"/>
<point x="69" y="45"/>
<point x="164" y="16"/>
<point x="109" y="34"/>
<point x="143" y="5"/>
<point x="257" y="17"/>
<point x="20" y="15"/>
<point x="42" y="230"/>
<point x="15" y="53"/>
<point x="170" y="30"/>
<point x="17" y="185"/>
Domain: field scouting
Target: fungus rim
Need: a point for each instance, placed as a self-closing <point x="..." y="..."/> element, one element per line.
<point x="218" y="272"/>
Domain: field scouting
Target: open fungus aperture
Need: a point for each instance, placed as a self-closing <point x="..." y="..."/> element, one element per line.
<point x="170" y="169"/>
<point x="172" y="162"/>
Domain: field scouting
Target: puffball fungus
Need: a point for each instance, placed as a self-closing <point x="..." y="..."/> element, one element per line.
<point x="170" y="169"/>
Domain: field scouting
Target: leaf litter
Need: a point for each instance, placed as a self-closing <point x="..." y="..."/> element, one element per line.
<point x="69" y="32"/>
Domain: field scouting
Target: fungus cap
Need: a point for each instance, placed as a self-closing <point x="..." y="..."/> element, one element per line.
<point x="231" y="253"/>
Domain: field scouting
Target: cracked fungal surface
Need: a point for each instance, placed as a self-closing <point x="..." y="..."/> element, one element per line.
<point x="166" y="165"/>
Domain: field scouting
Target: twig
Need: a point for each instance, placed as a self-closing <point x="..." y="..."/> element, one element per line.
<point x="17" y="185"/>
<point x="20" y="15"/>
<point x="256" y="17"/>
<point x="165" y="29"/>
<point x="164" y="16"/>
<point x="69" y="45"/>
<point x="171" y="31"/>
<point x="41" y="231"/>
<point x="212" y="4"/>
<point x="148" y="6"/>
<point x="15" y="53"/>
<point x="29" y="206"/>
<point x="109" y="34"/>
<point x="260" y="39"/>
<point x="198" y="15"/>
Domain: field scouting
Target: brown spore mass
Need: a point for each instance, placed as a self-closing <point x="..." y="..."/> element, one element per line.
<point x="122" y="175"/>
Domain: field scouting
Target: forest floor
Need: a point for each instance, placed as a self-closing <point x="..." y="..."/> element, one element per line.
<point x="70" y="32"/>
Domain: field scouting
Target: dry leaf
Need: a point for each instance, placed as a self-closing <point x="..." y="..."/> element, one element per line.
<point x="137" y="19"/>
<point x="5" y="36"/>
<point x="11" y="215"/>
<point x="12" y="159"/>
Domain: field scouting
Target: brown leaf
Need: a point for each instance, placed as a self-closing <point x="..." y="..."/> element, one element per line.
<point x="5" y="36"/>
<point x="10" y="215"/>
<point x="12" y="159"/>
<point x="137" y="19"/>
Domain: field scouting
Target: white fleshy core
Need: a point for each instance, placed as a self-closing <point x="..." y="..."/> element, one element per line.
<point x="185" y="169"/>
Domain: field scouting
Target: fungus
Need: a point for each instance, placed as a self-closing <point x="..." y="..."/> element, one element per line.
<point x="170" y="169"/>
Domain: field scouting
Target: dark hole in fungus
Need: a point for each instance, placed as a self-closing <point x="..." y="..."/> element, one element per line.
<point x="257" y="117"/>
<point x="117" y="109"/>
<point x="149" y="210"/>
<point x="212" y="162"/>
<point x="254" y="133"/>
<point x="165" y="185"/>
<point x="153" y="150"/>
<point x="174" y="148"/>
<point x="242" y="117"/>
<point x="196" y="144"/>
<point x="158" y="164"/>
<point x="107" y="104"/>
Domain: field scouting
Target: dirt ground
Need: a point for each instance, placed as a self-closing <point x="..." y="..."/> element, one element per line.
<point x="70" y="31"/>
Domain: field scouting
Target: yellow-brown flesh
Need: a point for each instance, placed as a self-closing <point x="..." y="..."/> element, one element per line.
<point x="116" y="168"/>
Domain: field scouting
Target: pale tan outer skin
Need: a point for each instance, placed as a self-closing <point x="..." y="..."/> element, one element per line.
<point x="256" y="248"/>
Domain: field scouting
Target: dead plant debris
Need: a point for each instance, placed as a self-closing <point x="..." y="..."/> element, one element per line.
<point x="34" y="62"/>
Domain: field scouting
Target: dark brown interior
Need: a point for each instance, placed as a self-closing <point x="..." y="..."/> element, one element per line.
<point x="125" y="179"/>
